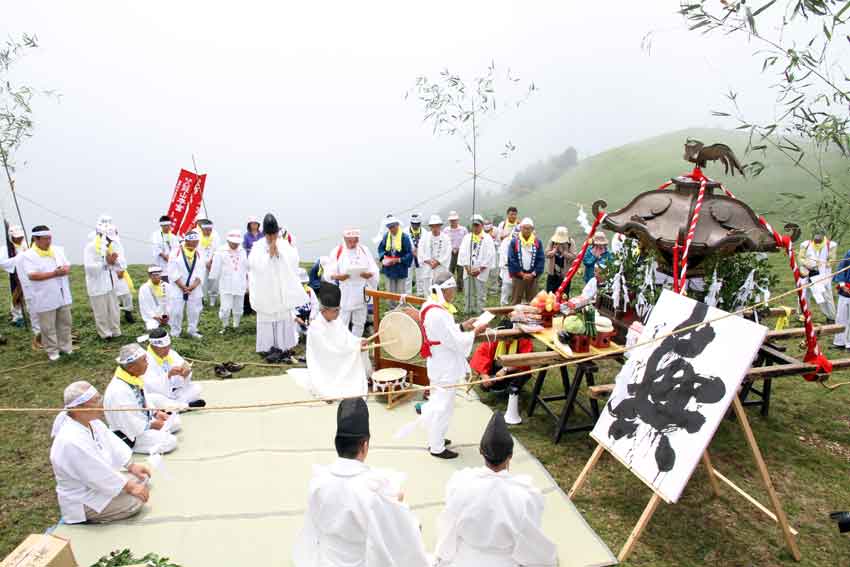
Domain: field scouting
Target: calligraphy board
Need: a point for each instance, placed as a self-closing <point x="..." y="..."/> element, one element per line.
<point x="672" y="394"/>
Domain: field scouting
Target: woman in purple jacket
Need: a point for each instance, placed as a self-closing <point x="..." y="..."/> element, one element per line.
<point x="252" y="234"/>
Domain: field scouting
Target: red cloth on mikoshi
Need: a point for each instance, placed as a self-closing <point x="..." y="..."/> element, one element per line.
<point x="578" y="259"/>
<point x="813" y="352"/>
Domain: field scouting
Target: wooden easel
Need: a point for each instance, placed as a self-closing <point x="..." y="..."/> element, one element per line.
<point x="777" y="514"/>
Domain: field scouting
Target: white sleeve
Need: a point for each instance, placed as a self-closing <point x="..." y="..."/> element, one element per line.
<point x="393" y="536"/>
<point x="91" y="262"/>
<point x="463" y="252"/>
<point x="147" y="305"/>
<point x="174" y="272"/>
<point x="532" y="547"/>
<point x="92" y="472"/>
<point x="441" y="327"/>
<point x="215" y="270"/>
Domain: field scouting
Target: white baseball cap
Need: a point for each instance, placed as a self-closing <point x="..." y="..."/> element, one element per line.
<point x="453" y="215"/>
<point x="234" y="236"/>
<point x="435" y="219"/>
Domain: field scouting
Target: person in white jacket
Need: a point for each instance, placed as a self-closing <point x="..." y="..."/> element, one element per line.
<point x="477" y="255"/>
<point x="153" y="299"/>
<point x="230" y="271"/>
<point x="12" y="265"/>
<point x="47" y="268"/>
<point x="103" y="260"/>
<point x="355" y="514"/>
<point x="186" y="277"/>
<point x="353" y="268"/>
<point x="208" y="245"/>
<point x="493" y="518"/>
<point x="816" y="258"/>
<point x="435" y="253"/>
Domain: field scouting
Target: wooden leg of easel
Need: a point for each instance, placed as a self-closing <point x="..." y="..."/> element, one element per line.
<point x="765" y="477"/>
<point x="586" y="470"/>
<point x="709" y="469"/>
<point x="639" y="527"/>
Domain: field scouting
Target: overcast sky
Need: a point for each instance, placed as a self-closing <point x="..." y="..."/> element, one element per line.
<point x="299" y="108"/>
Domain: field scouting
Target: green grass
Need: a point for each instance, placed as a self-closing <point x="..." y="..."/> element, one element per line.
<point x="806" y="442"/>
<point x="617" y="175"/>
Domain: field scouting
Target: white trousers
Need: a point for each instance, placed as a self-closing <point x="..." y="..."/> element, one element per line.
<point x="154" y="441"/>
<point x="507" y="291"/>
<point x="125" y="302"/>
<point x="824" y="299"/>
<point x="476" y="295"/>
<point x="357" y="318"/>
<point x="842" y="317"/>
<point x="231" y="304"/>
<point x="106" y="314"/>
<point x="193" y="306"/>
<point x="210" y="288"/>
<point x="437" y="413"/>
<point x="395" y="286"/>
<point x="280" y="334"/>
<point x="415" y="274"/>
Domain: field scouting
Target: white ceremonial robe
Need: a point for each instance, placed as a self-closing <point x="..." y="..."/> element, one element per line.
<point x="150" y="305"/>
<point x="492" y="520"/>
<point x="446" y="366"/>
<point x="275" y="291"/>
<point x="590" y="290"/>
<point x="354" y="519"/>
<point x="178" y="270"/>
<point x="164" y="391"/>
<point x="335" y="366"/>
<point x="507" y="281"/>
<point x="101" y="277"/>
<point x="135" y="425"/>
<point x="437" y="248"/>
<point x="163" y="244"/>
<point x="354" y="261"/>
<point x="86" y="464"/>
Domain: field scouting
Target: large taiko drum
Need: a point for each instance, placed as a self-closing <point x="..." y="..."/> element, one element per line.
<point x="401" y="336"/>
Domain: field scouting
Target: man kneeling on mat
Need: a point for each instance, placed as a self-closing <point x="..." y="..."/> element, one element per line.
<point x="87" y="461"/>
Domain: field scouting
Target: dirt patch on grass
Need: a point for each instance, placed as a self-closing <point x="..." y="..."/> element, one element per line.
<point x="832" y="447"/>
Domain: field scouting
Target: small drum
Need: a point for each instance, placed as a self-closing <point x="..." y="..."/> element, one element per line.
<point x="393" y="381"/>
<point x="400" y="333"/>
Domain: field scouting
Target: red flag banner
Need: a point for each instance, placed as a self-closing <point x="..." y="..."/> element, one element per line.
<point x="186" y="201"/>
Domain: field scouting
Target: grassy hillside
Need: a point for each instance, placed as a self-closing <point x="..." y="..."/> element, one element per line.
<point x="619" y="174"/>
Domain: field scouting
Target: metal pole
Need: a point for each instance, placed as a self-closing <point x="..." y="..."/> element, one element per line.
<point x="474" y="186"/>
<point x="203" y="201"/>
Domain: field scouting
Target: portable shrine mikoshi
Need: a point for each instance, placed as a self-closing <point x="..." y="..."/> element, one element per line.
<point x="731" y="227"/>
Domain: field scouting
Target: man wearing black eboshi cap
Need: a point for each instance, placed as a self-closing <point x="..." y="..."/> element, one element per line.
<point x="275" y="291"/>
<point x="355" y="515"/>
<point x="491" y="516"/>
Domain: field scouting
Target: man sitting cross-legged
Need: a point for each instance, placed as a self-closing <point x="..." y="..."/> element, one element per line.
<point x="168" y="380"/>
<point x="144" y="430"/>
<point x="87" y="461"/>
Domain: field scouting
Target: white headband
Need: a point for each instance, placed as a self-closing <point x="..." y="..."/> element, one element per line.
<point x="78" y="401"/>
<point x="161" y="342"/>
<point x="191" y="236"/>
<point x="448" y="284"/>
<point x="42" y="233"/>
<point x="165" y="223"/>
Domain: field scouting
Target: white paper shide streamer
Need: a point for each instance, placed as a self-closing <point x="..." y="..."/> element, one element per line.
<point x="583" y="220"/>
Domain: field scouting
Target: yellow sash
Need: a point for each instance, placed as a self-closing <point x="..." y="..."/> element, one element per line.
<point x="125" y="376"/>
<point x="393" y="242"/>
<point x="476" y="238"/>
<point x="206" y="241"/>
<point x="129" y="280"/>
<point x="511" y="349"/>
<point x="524" y="242"/>
<point x="190" y="254"/>
<point x="449" y="307"/>
<point x="44" y="253"/>
<point x="157" y="290"/>
<point x="169" y="359"/>
<point x="98" y="243"/>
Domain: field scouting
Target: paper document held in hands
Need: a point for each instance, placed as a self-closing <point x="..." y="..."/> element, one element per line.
<point x="484" y="319"/>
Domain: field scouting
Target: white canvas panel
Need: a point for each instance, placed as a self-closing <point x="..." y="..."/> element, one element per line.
<point x="671" y="395"/>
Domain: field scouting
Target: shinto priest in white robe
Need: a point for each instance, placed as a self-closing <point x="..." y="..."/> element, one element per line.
<point x="275" y="290"/>
<point x="335" y="363"/>
<point x="493" y="519"/>
<point x="354" y="517"/>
